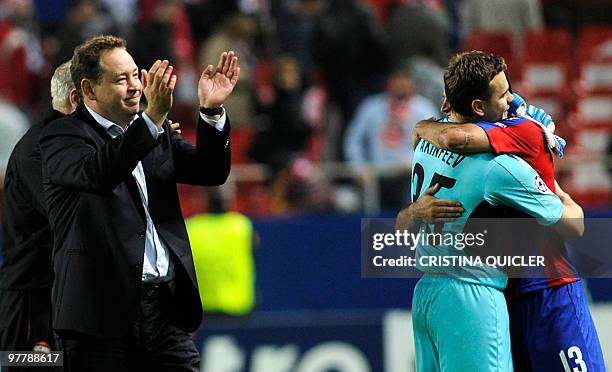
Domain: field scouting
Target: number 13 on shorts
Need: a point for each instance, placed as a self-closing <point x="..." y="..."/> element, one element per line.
<point x="575" y="355"/>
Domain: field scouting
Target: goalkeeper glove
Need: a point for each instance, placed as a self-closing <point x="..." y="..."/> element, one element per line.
<point x="519" y="107"/>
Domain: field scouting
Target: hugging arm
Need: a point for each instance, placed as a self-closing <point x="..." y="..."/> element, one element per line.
<point x="454" y="137"/>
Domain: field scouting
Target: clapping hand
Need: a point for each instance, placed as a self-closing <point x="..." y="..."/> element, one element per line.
<point x="216" y="83"/>
<point x="158" y="85"/>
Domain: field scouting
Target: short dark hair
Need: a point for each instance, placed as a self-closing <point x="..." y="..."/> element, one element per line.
<point x="467" y="78"/>
<point x="86" y="58"/>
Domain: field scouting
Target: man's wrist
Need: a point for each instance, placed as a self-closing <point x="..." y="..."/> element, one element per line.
<point x="406" y="220"/>
<point x="212" y="111"/>
<point x="155" y="129"/>
<point x="413" y="212"/>
<point x="157" y="118"/>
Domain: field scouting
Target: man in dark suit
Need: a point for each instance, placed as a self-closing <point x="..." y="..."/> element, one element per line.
<point x="125" y="294"/>
<point x="26" y="273"/>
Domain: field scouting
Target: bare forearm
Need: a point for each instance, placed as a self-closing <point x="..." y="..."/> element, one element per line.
<point x="454" y="137"/>
<point x="407" y="220"/>
<point x="428" y="130"/>
<point x="571" y="224"/>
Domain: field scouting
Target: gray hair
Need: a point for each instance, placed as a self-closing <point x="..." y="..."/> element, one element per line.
<point x="61" y="86"/>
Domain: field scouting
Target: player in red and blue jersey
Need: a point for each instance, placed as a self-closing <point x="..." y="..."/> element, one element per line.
<point x="550" y="323"/>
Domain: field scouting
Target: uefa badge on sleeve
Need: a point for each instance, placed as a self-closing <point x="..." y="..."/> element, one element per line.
<point x="540" y="184"/>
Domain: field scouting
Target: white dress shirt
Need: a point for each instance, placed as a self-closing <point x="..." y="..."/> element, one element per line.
<point x="157" y="265"/>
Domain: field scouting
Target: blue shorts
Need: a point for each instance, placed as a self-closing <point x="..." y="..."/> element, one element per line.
<point x="460" y="327"/>
<point x="552" y="330"/>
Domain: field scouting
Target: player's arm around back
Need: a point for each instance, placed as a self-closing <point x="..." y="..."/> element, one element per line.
<point x="511" y="181"/>
<point x="428" y="209"/>
<point x="468" y="138"/>
<point x="571" y="224"/>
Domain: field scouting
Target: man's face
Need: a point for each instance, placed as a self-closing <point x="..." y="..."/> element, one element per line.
<point x="118" y="92"/>
<point x="496" y="107"/>
<point x="400" y="85"/>
<point x="289" y="76"/>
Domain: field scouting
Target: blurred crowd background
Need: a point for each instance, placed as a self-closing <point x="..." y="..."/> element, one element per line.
<point x="330" y="90"/>
<point x="321" y="132"/>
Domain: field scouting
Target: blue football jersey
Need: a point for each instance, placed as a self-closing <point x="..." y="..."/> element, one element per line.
<point x="474" y="180"/>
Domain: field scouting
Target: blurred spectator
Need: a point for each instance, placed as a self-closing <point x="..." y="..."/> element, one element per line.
<point x="185" y="53"/>
<point x="153" y="37"/>
<point x="19" y="34"/>
<point x="455" y="31"/>
<point x="380" y="134"/>
<point x="50" y="13"/>
<point x="349" y="48"/>
<point x="222" y="243"/>
<point x="303" y="188"/>
<point x="164" y="34"/>
<point x="13" y="125"/>
<point x="237" y="33"/>
<point x="123" y="13"/>
<point x="205" y="16"/>
<point x="253" y="7"/>
<point x="295" y="28"/>
<point x="382" y="8"/>
<point x="14" y="76"/>
<point x="282" y="133"/>
<point x="281" y="141"/>
<point x="419" y="28"/>
<point x="428" y="78"/>
<point x="85" y="19"/>
<point x="609" y="159"/>
<point x="515" y="16"/>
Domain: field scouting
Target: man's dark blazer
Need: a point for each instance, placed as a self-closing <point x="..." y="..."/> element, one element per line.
<point x="98" y="220"/>
<point x="26" y="232"/>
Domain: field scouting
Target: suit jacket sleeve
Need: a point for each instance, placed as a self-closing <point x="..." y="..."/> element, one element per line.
<point x="208" y="162"/>
<point x="75" y="155"/>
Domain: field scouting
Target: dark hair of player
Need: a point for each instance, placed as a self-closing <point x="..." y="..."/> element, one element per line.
<point x="467" y="78"/>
